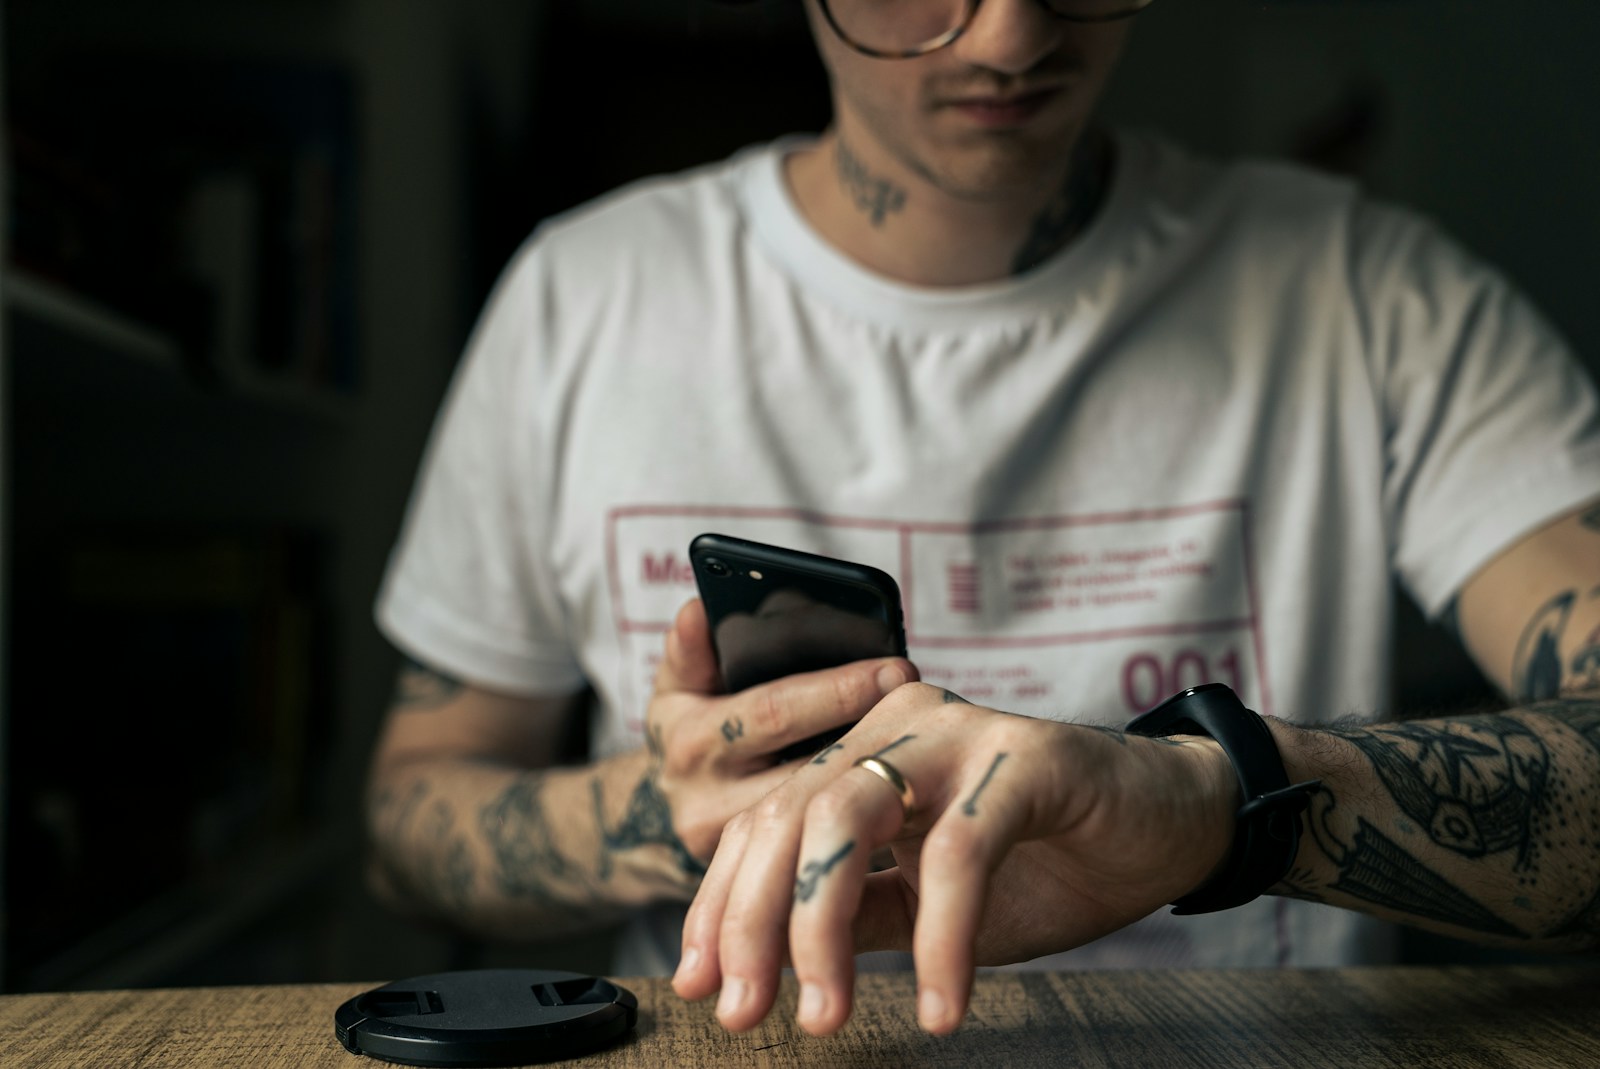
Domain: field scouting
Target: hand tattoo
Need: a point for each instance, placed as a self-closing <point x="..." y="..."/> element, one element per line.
<point x="733" y="729"/>
<point x="970" y="806"/>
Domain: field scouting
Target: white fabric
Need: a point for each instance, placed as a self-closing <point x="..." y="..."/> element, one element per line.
<point x="1192" y="446"/>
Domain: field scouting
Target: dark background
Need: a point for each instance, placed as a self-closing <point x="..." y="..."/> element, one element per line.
<point x="246" y="240"/>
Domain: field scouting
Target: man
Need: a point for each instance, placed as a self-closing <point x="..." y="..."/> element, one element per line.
<point x="1119" y="420"/>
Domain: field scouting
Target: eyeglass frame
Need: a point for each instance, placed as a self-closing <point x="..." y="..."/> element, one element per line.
<point x="951" y="36"/>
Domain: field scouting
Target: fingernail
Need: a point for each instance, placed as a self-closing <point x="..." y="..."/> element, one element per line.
<point x="734" y="992"/>
<point x="689" y="963"/>
<point x="812" y="1002"/>
<point x="889" y="677"/>
<point x="931" y="1008"/>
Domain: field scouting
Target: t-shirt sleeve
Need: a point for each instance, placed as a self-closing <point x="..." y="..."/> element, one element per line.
<point x="1492" y="427"/>
<point x="467" y="590"/>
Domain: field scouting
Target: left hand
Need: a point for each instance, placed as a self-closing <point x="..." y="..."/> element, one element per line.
<point x="1027" y="837"/>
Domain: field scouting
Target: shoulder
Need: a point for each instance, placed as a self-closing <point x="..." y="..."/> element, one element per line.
<point x="660" y="215"/>
<point x="1250" y="194"/>
<point x="1279" y="213"/>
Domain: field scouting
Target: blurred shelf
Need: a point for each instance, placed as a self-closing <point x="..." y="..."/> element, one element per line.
<point x="85" y="342"/>
<point x="89" y="322"/>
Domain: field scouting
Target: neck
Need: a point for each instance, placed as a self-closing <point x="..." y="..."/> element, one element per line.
<point x="906" y="228"/>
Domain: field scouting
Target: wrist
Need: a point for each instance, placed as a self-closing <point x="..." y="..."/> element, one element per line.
<point x="1267" y="823"/>
<point x="641" y="854"/>
<point x="1219" y="800"/>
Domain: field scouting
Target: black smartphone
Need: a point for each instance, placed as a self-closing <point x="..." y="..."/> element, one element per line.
<point x="776" y="611"/>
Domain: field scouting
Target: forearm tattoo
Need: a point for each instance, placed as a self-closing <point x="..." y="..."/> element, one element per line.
<point x="647" y="822"/>
<point x="1474" y="791"/>
<point x="421" y="687"/>
<point x="1584" y="674"/>
<point x="1536" y="667"/>
<point x="1583" y="716"/>
<point x="1376" y="869"/>
<point x="529" y="864"/>
<point x="443" y="876"/>
<point x="1518" y="792"/>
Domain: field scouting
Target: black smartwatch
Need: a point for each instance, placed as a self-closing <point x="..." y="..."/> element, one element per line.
<point x="1268" y="823"/>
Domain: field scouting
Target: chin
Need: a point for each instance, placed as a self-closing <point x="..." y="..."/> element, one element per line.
<point x="992" y="175"/>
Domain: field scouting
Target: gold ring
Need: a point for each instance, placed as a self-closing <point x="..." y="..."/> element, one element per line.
<point x="891" y="775"/>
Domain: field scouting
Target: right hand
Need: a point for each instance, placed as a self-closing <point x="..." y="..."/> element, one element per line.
<point x="714" y="752"/>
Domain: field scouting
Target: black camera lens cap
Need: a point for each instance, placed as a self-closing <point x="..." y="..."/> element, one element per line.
<point x="486" y="1017"/>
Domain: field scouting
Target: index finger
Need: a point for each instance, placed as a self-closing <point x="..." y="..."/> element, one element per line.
<point x="766" y="718"/>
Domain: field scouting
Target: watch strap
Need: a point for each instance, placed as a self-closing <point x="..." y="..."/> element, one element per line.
<point x="1267" y="824"/>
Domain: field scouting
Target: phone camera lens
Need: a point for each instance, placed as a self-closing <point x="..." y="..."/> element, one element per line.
<point x="717" y="568"/>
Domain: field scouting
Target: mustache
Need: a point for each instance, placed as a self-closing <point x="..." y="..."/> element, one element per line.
<point x="1053" y="72"/>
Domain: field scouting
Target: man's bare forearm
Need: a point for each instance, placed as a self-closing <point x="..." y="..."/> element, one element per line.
<point x="1486" y="827"/>
<point x="515" y="853"/>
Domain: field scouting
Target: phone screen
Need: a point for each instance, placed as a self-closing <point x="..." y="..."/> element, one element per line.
<point x="775" y="612"/>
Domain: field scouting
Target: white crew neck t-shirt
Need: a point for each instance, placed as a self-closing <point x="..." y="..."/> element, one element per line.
<point x="1195" y="445"/>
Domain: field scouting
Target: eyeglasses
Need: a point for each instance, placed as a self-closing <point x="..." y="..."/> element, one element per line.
<point x="903" y="29"/>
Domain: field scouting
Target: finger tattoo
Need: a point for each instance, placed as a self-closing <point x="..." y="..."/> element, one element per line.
<point x="733" y="729"/>
<point x="970" y="806"/>
<point x="822" y="758"/>
<point x="814" y="871"/>
<point x="892" y="745"/>
<point x="952" y="698"/>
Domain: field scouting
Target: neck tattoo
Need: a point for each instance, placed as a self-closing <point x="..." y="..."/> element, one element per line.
<point x="875" y="196"/>
<point x="1071" y="208"/>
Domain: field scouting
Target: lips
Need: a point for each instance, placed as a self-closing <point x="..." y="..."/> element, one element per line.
<point x="1003" y="110"/>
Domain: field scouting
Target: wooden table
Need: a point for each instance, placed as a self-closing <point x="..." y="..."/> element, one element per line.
<point x="1504" y="1017"/>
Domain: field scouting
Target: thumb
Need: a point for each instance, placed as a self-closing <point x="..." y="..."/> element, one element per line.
<point x="690" y="663"/>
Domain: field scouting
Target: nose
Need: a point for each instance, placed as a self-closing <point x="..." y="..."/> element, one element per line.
<point x="1010" y="36"/>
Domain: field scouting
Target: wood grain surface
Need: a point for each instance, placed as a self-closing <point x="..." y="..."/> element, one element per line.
<point x="1521" y="1017"/>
